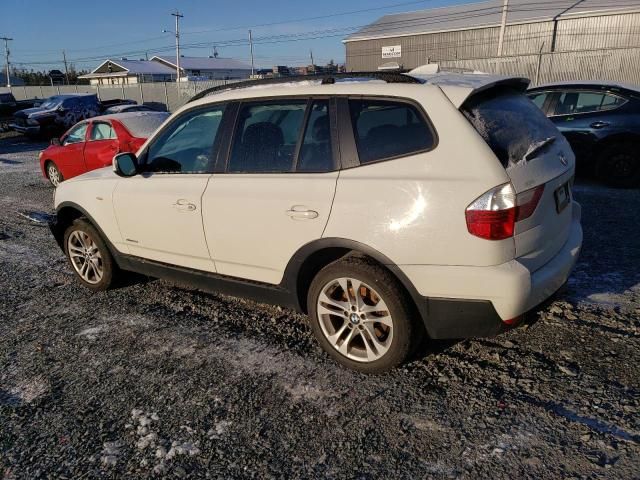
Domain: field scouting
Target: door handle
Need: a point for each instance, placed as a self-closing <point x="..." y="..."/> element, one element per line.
<point x="183" y="205"/>
<point x="300" y="212"/>
<point x="599" y="124"/>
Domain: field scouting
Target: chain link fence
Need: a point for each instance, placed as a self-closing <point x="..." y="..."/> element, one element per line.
<point x="163" y="96"/>
<point x="613" y="64"/>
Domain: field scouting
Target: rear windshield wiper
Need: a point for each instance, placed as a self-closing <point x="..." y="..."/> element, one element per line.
<point x="538" y="147"/>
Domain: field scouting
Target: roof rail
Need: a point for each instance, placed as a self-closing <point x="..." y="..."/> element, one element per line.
<point x="329" y="78"/>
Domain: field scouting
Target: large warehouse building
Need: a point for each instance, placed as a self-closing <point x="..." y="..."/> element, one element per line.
<point x="544" y="40"/>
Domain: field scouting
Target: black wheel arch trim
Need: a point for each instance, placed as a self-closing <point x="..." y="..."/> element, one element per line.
<point x="443" y="318"/>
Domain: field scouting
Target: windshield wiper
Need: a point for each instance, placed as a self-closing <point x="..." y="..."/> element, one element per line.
<point x="537" y="148"/>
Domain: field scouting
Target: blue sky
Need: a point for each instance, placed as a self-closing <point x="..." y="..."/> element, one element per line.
<point x="91" y="30"/>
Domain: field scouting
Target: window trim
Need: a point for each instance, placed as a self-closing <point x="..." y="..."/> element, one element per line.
<point x="215" y="146"/>
<point x="277" y="99"/>
<point x="348" y="129"/>
<point x="97" y="122"/>
<point x="585" y="90"/>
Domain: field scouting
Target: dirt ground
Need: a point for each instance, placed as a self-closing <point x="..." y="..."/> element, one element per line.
<point x="154" y="380"/>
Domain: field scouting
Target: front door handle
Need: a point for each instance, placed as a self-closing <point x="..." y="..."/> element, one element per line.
<point x="599" y="124"/>
<point x="183" y="205"/>
<point x="300" y="212"/>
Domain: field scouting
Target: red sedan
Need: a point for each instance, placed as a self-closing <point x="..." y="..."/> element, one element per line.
<point x="92" y="143"/>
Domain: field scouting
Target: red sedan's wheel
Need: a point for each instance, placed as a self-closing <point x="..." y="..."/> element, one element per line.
<point x="53" y="174"/>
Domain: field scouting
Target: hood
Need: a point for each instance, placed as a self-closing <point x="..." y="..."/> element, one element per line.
<point x="34" y="112"/>
<point x="99" y="174"/>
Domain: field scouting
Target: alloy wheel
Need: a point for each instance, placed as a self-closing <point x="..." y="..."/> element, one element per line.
<point x="85" y="257"/>
<point x="355" y="319"/>
<point x="54" y="175"/>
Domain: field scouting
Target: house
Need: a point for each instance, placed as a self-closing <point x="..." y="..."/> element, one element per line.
<point x="127" y="72"/>
<point x="206" y="68"/>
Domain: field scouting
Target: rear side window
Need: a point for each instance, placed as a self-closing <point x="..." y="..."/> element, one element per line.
<point x="102" y="131"/>
<point x="539" y="99"/>
<point x="266" y="137"/>
<point x="385" y="129"/>
<point x="509" y="123"/>
<point x="574" y="102"/>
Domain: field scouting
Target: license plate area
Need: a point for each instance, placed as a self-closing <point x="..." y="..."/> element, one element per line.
<point x="562" y="196"/>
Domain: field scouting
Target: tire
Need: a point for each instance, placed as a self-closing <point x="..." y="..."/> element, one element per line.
<point x="53" y="174"/>
<point x="619" y="165"/>
<point x="83" y="245"/>
<point x="353" y="344"/>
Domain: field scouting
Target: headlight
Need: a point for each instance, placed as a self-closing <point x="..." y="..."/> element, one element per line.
<point x="31" y="121"/>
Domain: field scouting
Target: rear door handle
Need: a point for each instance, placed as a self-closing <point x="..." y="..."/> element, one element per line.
<point x="599" y="124"/>
<point x="184" y="205"/>
<point x="300" y="212"/>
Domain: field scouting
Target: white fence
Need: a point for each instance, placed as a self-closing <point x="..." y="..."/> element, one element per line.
<point x="162" y="95"/>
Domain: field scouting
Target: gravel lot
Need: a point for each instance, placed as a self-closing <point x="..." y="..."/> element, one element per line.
<point x="157" y="380"/>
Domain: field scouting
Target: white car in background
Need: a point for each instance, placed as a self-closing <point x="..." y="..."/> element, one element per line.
<point x="385" y="206"/>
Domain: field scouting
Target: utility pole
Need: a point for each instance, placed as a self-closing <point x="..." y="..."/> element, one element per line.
<point x="503" y="26"/>
<point x="554" y="35"/>
<point x="311" y="55"/>
<point x="66" y="68"/>
<point x="6" y="54"/>
<point x="178" y="17"/>
<point x="251" y="47"/>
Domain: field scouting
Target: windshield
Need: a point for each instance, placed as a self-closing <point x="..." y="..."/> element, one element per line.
<point x="51" y="103"/>
<point x="511" y="124"/>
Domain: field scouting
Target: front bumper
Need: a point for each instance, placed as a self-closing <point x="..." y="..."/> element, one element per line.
<point x="500" y="293"/>
<point x="25" y="129"/>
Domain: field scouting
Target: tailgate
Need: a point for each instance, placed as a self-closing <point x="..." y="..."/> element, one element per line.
<point x="538" y="160"/>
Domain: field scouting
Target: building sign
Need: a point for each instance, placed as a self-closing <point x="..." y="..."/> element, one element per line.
<point x="394" y="51"/>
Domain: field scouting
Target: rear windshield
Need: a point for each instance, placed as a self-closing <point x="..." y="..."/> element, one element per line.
<point x="144" y="124"/>
<point x="510" y="123"/>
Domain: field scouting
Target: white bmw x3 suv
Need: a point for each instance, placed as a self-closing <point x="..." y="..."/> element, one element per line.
<point x="385" y="206"/>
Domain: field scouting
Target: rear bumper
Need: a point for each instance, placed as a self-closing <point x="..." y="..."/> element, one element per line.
<point x="499" y="293"/>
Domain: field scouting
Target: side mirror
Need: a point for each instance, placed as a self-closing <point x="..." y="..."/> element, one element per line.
<point x="56" y="141"/>
<point x="125" y="164"/>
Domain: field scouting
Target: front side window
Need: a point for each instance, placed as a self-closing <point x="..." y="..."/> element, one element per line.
<point x="77" y="134"/>
<point x="539" y="99"/>
<point x="102" y="131"/>
<point x="266" y="137"/>
<point x="187" y="145"/>
<point x="385" y="129"/>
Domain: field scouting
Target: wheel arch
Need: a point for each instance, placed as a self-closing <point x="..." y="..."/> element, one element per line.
<point x="66" y="214"/>
<point x="314" y="256"/>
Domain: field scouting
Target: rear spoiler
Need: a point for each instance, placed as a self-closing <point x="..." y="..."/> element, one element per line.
<point x="459" y="87"/>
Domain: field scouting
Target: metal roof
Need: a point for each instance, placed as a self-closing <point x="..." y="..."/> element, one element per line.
<point x="203" y="63"/>
<point x="485" y="14"/>
<point x="131" y="67"/>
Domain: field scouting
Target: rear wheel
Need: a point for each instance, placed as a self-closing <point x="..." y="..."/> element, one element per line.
<point x="53" y="174"/>
<point x="361" y="316"/>
<point x="619" y="165"/>
<point x="89" y="256"/>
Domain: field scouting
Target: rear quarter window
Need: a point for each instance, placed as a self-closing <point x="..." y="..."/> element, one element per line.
<point x="510" y="123"/>
<point x="386" y="129"/>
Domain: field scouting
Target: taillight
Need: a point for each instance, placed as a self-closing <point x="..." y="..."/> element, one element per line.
<point x="494" y="214"/>
<point x="527" y="202"/>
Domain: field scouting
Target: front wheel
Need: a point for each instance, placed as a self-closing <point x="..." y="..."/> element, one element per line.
<point x="361" y="316"/>
<point x="53" y="174"/>
<point x="90" y="258"/>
